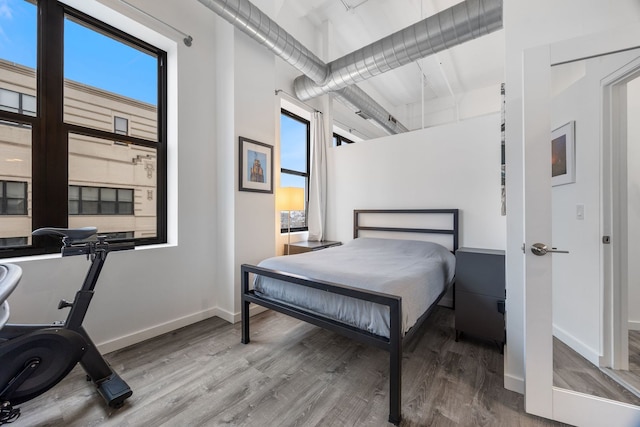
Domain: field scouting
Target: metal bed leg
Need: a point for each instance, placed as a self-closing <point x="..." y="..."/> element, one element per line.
<point x="245" y="307"/>
<point x="394" y="387"/>
<point x="395" y="365"/>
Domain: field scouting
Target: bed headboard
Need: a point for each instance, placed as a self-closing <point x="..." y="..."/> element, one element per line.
<point x="450" y="228"/>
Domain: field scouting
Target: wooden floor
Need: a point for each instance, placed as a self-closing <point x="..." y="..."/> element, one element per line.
<point x="631" y="378"/>
<point x="291" y="374"/>
<point x="573" y="372"/>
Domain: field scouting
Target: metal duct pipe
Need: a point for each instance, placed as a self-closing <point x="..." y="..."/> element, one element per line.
<point x="357" y="99"/>
<point x="253" y="22"/>
<point x="460" y="23"/>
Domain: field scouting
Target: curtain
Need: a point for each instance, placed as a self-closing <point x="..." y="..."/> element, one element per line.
<point x="316" y="217"/>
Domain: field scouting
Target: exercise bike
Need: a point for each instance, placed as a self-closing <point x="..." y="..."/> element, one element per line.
<point x="34" y="358"/>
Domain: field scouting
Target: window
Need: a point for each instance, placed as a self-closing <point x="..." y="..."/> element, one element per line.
<point x="294" y="164"/>
<point x="120" y="235"/>
<point x="121" y="125"/>
<point x="102" y="86"/>
<point x="7" y="242"/>
<point x="338" y="140"/>
<point x="16" y="102"/>
<point x="13" y="198"/>
<point x="100" y="201"/>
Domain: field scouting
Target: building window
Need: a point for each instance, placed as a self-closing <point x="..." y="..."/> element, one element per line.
<point x="8" y="242"/>
<point x="100" y="201"/>
<point x="339" y="140"/>
<point x="120" y="125"/>
<point x="94" y="76"/>
<point x="295" y="139"/>
<point x="13" y="198"/>
<point x="119" y="235"/>
<point x="16" y="102"/>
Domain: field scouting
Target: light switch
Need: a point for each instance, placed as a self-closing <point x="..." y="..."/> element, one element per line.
<point x="580" y="211"/>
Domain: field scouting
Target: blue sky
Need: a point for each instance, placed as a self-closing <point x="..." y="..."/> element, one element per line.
<point x="90" y="57"/>
<point x="293" y="136"/>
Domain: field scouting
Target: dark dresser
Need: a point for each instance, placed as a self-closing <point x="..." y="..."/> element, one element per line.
<point x="480" y="294"/>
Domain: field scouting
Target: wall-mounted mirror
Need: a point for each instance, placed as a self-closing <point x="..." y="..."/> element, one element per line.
<point x="581" y="193"/>
<point x="579" y="198"/>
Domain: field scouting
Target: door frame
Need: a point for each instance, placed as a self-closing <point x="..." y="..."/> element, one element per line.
<point x="541" y="397"/>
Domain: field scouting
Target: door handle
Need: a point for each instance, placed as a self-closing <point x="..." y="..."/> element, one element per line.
<point x="541" y="249"/>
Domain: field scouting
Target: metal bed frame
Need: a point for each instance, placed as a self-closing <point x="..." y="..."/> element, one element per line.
<point x="394" y="343"/>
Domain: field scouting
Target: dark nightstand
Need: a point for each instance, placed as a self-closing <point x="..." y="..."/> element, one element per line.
<point x="480" y="293"/>
<point x="300" y="247"/>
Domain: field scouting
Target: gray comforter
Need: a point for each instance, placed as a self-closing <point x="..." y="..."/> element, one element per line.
<point x="414" y="270"/>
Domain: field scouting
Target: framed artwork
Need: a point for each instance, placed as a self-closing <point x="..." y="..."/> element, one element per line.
<point x="563" y="155"/>
<point x="256" y="166"/>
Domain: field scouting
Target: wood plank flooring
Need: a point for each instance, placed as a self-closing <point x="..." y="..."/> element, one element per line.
<point x="291" y="374"/>
<point x="631" y="378"/>
<point x="573" y="372"/>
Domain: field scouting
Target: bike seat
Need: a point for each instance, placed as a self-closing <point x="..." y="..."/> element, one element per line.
<point x="71" y="233"/>
<point x="10" y="275"/>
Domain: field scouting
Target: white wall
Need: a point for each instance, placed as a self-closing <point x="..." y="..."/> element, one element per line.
<point x="450" y="166"/>
<point x="255" y="106"/>
<point x="529" y="24"/>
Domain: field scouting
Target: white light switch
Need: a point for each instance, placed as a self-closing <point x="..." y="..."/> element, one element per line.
<point x="580" y="211"/>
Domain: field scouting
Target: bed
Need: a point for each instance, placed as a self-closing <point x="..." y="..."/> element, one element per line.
<point x="350" y="298"/>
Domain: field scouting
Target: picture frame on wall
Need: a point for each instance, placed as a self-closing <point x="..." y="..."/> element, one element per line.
<point x="563" y="155"/>
<point x="256" y="166"/>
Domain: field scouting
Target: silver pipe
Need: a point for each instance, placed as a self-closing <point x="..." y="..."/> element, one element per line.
<point x="257" y="25"/>
<point x="460" y="23"/>
<point x="357" y="99"/>
<point x="253" y="22"/>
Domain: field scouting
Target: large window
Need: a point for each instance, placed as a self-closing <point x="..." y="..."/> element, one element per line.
<point x="294" y="164"/>
<point x="82" y="128"/>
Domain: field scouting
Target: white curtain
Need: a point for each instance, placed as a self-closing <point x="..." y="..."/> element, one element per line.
<point x="317" y="215"/>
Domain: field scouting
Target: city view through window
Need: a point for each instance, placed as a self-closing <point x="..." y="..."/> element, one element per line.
<point x="294" y="165"/>
<point x="110" y="129"/>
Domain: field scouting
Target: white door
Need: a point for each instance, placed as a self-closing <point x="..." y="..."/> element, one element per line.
<point x="541" y="398"/>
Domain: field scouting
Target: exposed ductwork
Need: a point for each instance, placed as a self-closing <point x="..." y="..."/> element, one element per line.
<point x="257" y="25"/>
<point x="364" y="106"/>
<point x="460" y="23"/>
<point x="463" y="22"/>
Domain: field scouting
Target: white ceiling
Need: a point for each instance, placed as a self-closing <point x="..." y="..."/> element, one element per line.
<point x="356" y="23"/>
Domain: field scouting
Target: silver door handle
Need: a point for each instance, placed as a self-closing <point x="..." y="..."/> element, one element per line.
<point x="541" y="249"/>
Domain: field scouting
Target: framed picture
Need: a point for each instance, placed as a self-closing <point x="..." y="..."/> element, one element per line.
<point x="563" y="155"/>
<point x="256" y="166"/>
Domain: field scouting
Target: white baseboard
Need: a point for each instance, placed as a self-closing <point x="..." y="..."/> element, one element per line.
<point x="514" y="383"/>
<point x="154" y="331"/>
<point x="172" y="325"/>
<point x="634" y="325"/>
<point x="581" y="348"/>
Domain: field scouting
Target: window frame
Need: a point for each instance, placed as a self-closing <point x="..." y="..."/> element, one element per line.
<point x="341" y="139"/>
<point x="4" y="199"/>
<point x="115" y="125"/>
<point x="306" y="175"/>
<point x="50" y="134"/>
